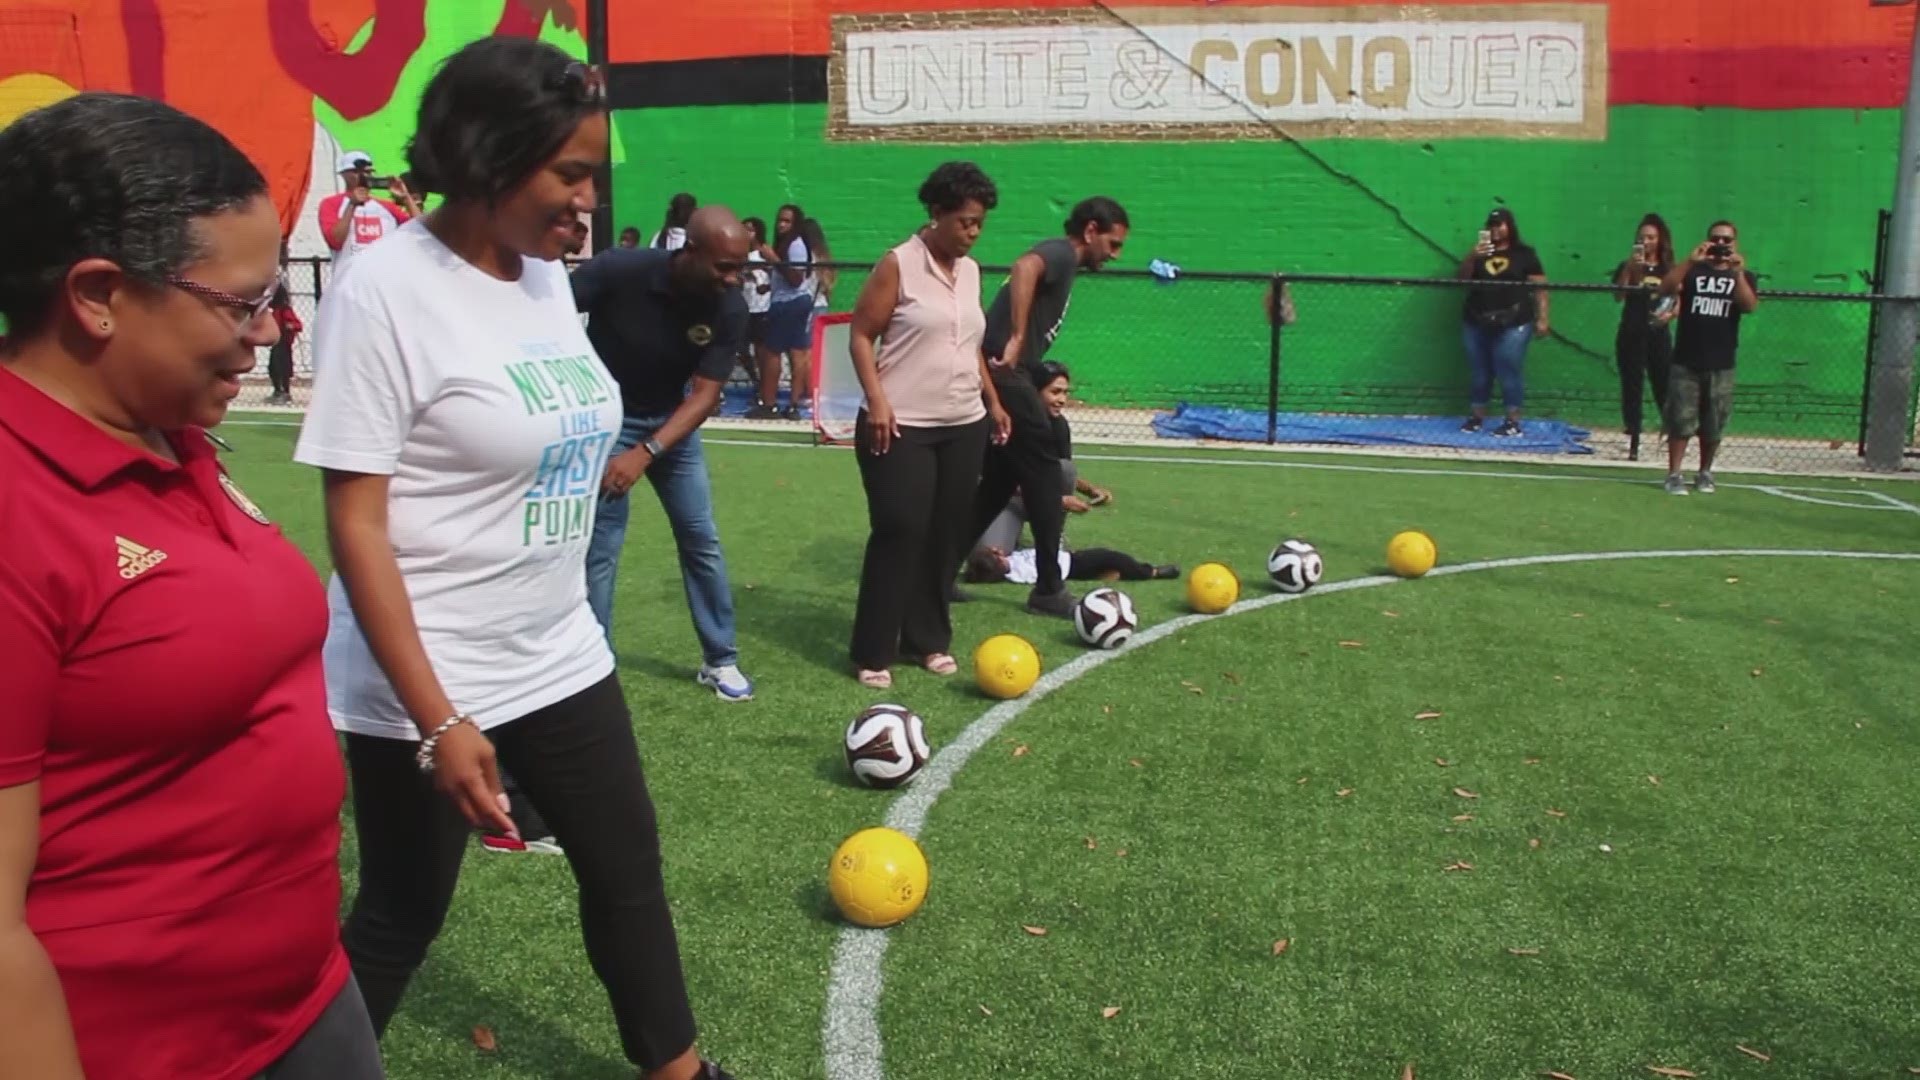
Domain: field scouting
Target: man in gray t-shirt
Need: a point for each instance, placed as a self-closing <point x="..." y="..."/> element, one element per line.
<point x="1022" y="323"/>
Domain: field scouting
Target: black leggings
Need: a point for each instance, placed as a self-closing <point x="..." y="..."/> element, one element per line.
<point x="280" y="365"/>
<point x="1030" y="462"/>
<point x="1641" y="354"/>
<point x="919" y="495"/>
<point x="1087" y="564"/>
<point x="577" y="759"/>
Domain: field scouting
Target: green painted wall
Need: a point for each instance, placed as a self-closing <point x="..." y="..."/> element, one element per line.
<point x="1805" y="187"/>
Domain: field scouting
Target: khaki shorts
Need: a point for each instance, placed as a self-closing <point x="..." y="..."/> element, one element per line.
<point x="1698" y="403"/>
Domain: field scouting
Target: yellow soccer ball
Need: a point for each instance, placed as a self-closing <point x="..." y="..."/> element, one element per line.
<point x="877" y="877"/>
<point x="1411" y="553"/>
<point x="1005" y="666"/>
<point x="1212" y="588"/>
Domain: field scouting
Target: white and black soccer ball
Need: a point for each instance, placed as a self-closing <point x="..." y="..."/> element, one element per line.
<point x="1294" y="566"/>
<point x="886" y="746"/>
<point x="1105" y="618"/>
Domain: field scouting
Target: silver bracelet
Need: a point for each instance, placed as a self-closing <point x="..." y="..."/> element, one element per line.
<point x="424" y="756"/>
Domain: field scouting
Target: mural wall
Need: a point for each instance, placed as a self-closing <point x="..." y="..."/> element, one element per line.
<point x="1330" y="137"/>
<point x="293" y="82"/>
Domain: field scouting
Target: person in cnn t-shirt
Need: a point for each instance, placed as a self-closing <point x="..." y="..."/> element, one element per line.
<point x="354" y="219"/>
<point x="1715" y="289"/>
<point x="170" y="787"/>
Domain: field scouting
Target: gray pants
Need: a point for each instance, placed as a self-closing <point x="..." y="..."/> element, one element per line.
<point x="339" y="1046"/>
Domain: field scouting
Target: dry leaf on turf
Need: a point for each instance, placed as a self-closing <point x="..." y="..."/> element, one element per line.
<point x="1302" y="780"/>
<point x="984" y="1011"/>
<point x="1652" y="779"/>
<point x="1391" y="614"/>
<point x="1442" y="762"/>
<point x="1533" y="844"/>
<point x="1036" y="931"/>
<point x="1122" y="853"/>
<point x="1730" y="581"/>
<point x="1667" y="1070"/>
<point x="1664" y="603"/>
<point x="1579" y="615"/>
<point x="1752" y="1053"/>
<point x="1757" y="671"/>
<point x="1427" y="714"/>
<point x="1457" y="866"/>
<point x="1281" y="945"/>
<point x="1090" y="844"/>
<point x="1230" y="677"/>
<point x="1020" y="751"/>
<point x="1136" y="762"/>
<point x="1551" y="812"/>
<point x="1108" y="709"/>
<point x="1344" y="792"/>
<point x="1353" y="644"/>
<point x="1463" y="817"/>
<point x="1530" y="761"/>
<point x="1524" y="952"/>
<point x="1109" y="1012"/>
<point x="1556" y="1076"/>
<point x="1465" y="794"/>
<point x="483" y="1038"/>
<point x="1191" y="688"/>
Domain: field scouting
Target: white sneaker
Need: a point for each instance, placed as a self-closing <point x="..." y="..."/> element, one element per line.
<point x="727" y="682"/>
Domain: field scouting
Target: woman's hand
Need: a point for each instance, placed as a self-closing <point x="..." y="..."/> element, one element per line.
<point x="624" y="470"/>
<point x="465" y="771"/>
<point x="1098" y="496"/>
<point x="1002" y="424"/>
<point x="881" y="426"/>
<point x="1074" y="504"/>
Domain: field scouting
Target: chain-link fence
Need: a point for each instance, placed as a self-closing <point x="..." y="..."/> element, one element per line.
<point x="1375" y="363"/>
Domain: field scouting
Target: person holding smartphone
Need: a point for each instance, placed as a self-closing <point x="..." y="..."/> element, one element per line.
<point x="1642" y="347"/>
<point x="1715" y="289"/>
<point x="1498" y="320"/>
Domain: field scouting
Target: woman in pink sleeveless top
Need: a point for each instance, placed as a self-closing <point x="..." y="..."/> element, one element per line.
<point x="930" y="409"/>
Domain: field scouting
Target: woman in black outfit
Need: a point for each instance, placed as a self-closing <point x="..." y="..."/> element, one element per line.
<point x="1642" y="347"/>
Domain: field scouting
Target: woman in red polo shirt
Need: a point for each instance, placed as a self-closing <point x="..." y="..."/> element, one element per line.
<point x="170" y="788"/>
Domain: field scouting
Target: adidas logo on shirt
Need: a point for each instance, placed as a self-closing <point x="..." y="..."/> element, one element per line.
<point x="136" y="560"/>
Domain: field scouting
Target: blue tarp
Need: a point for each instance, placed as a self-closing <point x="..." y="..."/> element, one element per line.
<point x="1246" y="425"/>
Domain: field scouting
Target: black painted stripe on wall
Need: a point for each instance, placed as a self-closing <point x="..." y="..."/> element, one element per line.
<point x="740" y="80"/>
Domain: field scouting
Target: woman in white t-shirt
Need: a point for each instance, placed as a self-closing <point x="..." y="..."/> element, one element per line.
<point x="463" y="424"/>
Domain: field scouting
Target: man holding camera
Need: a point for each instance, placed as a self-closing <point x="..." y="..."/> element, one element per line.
<point x="353" y="219"/>
<point x="1715" y="289"/>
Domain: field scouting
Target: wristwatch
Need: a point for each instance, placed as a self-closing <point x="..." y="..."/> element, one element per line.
<point x="653" y="447"/>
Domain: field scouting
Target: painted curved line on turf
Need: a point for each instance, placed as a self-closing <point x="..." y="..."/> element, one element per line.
<point x="850" y="1031"/>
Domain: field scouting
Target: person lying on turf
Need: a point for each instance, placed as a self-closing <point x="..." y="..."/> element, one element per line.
<point x="987" y="565"/>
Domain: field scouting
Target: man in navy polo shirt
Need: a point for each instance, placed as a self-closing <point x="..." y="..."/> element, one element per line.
<point x="658" y="319"/>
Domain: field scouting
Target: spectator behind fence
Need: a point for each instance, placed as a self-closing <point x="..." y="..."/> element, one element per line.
<point x="673" y="227"/>
<point x="463" y="424"/>
<point x="280" y="357"/>
<point x="789" y="318"/>
<point x="629" y="237"/>
<point x="1715" y="289"/>
<point x="924" y="427"/>
<point x="170" y="788"/>
<point x="1642" y="349"/>
<point x="1499" y="321"/>
<point x="757" y="286"/>
<point x="352" y="220"/>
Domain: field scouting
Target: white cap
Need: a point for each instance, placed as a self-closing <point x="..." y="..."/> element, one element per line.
<point x="353" y="159"/>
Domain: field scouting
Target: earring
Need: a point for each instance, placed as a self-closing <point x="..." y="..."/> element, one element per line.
<point x="105" y="325"/>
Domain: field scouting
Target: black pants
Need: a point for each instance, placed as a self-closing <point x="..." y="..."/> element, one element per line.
<point x="340" y="1045"/>
<point x="919" y="498"/>
<point x="577" y="759"/>
<point x="1641" y="353"/>
<point x="280" y="365"/>
<point x="1087" y="564"/>
<point x="1030" y="462"/>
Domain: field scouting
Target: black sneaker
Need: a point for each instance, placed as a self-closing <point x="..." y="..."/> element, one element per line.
<point x="762" y="411"/>
<point x="1059" y="604"/>
<point x="1473" y="424"/>
<point x="1161" y="573"/>
<point x="710" y="1071"/>
<point x="1507" y="429"/>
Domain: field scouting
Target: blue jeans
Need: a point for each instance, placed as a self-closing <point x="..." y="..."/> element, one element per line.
<point x="679" y="478"/>
<point x="1497" y="352"/>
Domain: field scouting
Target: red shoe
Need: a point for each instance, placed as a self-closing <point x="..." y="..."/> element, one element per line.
<point x="507" y="845"/>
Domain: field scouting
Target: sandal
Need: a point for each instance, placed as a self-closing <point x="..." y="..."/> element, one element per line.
<point x="875" y="680"/>
<point x="940" y="663"/>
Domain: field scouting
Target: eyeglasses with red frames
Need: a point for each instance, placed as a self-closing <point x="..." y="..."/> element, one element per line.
<point x="250" y="310"/>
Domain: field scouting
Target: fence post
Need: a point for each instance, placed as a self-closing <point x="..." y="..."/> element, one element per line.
<point x="1274" y="308"/>
<point x="1899" y="328"/>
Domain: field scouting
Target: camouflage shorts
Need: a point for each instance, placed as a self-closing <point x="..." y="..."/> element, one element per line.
<point x="1698" y="403"/>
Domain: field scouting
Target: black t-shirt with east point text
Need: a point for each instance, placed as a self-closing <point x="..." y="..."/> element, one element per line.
<point x="1504" y="306"/>
<point x="1709" y="318"/>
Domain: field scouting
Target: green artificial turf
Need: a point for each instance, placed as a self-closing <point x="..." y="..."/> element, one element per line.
<point x="1760" y="893"/>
